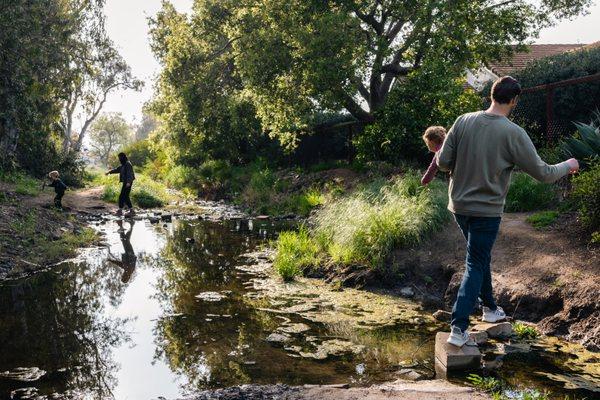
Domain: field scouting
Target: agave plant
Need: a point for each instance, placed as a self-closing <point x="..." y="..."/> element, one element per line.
<point x="585" y="144"/>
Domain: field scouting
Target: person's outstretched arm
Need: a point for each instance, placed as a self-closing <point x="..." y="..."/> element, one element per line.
<point x="446" y="156"/>
<point x="430" y="173"/>
<point x="114" y="170"/>
<point x="526" y="157"/>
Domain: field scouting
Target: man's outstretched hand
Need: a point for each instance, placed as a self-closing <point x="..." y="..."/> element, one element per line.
<point x="573" y="165"/>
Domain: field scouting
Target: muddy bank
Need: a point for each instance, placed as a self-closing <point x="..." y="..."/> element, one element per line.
<point x="401" y="390"/>
<point x="34" y="235"/>
<point x="549" y="277"/>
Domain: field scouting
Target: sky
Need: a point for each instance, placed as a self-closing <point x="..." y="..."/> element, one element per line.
<point x="127" y="25"/>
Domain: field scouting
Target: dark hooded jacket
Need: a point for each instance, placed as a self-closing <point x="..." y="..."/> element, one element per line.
<point x="125" y="171"/>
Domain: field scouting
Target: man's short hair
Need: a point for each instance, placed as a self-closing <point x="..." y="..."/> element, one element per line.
<point x="505" y="89"/>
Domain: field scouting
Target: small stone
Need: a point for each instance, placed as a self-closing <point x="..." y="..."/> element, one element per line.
<point x="294" y="328"/>
<point x="166" y="217"/>
<point x="506" y="348"/>
<point x="278" y="339"/>
<point x="479" y="337"/>
<point x="153" y="220"/>
<point x="210" y="296"/>
<point x="190" y="240"/>
<point x="495" y="331"/>
<point x="407" y="292"/>
<point x="442" y="316"/>
<point x="410" y="374"/>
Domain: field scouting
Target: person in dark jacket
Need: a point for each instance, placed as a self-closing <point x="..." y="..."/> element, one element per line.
<point x="126" y="177"/>
<point x="59" y="187"/>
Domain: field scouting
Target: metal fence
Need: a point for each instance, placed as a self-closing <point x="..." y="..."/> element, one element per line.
<point x="548" y="111"/>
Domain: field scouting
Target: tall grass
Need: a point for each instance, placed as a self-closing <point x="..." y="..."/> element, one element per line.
<point x="365" y="226"/>
<point x="24" y="184"/>
<point x="527" y="194"/>
<point x="146" y="192"/>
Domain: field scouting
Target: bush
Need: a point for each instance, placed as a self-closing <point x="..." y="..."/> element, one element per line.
<point x="365" y="226"/>
<point x="586" y="195"/>
<point x="572" y="103"/>
<point x="543" y="219"/>
<point x="24" y="184"/>
<point x="525" y="331"/>
<point x="527" y="194"/>
<point x="146" y="192"/>
<point x="295" y="251"/>
<point x="425" y="98"/>
<point x="139" y="153"/>
<point x="585" y="144"/>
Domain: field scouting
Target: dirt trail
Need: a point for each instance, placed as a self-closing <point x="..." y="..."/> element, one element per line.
<point x="83" y="201"/>
<point x="400" y="390"/>
<point x="548" y="276"/>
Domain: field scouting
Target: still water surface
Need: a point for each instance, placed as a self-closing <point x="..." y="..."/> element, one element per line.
<point x="167" y="310"/>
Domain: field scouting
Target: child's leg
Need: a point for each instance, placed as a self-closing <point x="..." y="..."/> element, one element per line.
<point x="58" y="200"/>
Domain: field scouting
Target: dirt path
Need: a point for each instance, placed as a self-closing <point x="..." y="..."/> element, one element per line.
<point x="548" y="276"/>
<point x="83" y="201"/>
<point x="400" y="390"/>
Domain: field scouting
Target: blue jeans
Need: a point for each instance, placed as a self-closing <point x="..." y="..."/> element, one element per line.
<point x="480" y="233"/>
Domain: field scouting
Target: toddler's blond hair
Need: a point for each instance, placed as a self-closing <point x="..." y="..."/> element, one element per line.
<point x="53" y="174"/>
<point x="434" y="134"/>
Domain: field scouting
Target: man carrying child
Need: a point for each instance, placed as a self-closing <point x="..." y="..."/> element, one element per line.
<point x="480" y="151"/>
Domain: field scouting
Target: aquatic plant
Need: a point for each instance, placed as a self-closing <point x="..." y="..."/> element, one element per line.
<point x="525" y="331"/>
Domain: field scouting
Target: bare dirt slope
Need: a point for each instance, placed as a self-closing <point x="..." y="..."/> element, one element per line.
<point x="548" y="276"/>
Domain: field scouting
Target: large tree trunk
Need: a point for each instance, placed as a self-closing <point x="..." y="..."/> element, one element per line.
<point x="9" y="137"/>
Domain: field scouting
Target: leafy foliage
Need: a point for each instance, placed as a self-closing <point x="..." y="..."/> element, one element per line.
<point x="527" y="194"/>
<point x="525" y="331"/>
<point x="543" y="219"/>
<point x="571" y="103"/>
<point x="586" y="194"/>
<point x="109" y="133"/>
<point x="585" y="145"/>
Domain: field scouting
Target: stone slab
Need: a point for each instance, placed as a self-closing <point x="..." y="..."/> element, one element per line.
<point x="456" y="358"/>
<point x="498" y="330"/>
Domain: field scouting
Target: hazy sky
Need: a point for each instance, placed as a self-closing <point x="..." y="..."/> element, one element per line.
<point x="127" y="26"/>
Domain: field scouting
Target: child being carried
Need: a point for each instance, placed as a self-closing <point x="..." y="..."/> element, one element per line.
<point x="434" y="138"/>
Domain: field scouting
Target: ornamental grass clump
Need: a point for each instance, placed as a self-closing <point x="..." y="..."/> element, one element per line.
<point x="365" y="226"/>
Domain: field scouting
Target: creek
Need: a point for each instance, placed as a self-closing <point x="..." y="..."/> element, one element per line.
<point x="172" y="308"/>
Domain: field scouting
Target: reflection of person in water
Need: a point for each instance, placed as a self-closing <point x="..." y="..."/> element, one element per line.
<point x="128" y="259"/>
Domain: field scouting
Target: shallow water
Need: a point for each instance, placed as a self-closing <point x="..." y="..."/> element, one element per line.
<point x="159" y="314"/>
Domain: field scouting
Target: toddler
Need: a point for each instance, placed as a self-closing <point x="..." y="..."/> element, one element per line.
<point x="434" y="138"/>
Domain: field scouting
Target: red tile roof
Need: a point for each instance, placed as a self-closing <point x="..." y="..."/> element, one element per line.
<point x="519" y="60"/>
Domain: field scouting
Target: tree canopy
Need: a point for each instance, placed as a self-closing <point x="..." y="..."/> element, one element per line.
<point x="287" y="60"/>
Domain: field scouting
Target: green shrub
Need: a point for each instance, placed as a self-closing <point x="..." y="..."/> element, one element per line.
<point x="527" y="194"/>
<point x="365" y="226"/>
<point x="487" y="384"/>
<point x="24" y="184"/>
<point x="295" y="251"/>
<point x="585" y="144"/>
<point x="525" y="331"/>
<point x="145" y="199"/>
<point x="543" y="219"/>
<point x="146" y="193"/>
<point x="586" y="196"/>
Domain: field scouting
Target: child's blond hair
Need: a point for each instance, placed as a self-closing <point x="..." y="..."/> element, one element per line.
<point x="435" y="134"/>
<point x="53" y="174"/>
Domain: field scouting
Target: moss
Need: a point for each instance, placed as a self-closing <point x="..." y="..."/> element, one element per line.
<point x="543" y="219"/>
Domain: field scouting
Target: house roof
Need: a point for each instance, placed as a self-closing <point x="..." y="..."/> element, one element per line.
<point x="520" y="59"/>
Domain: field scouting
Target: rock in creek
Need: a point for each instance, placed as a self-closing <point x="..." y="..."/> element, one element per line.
<point x="22" y="374"/>
<point x="495" y="331"/>
<point x="333" y="348"/>
<point x="442" y="316"/>
<point x="294" y="329"/>
<point x="407" y="292"/>
<point x="278" y="339"/>
<point x="210" y="296"/>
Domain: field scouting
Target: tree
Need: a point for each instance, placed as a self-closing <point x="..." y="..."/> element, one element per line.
<point x="99" y="70"/>
<point x="32" y="44"/>
<point x="146" y="126"/>
<point x="297" y="57"/>
<point x="108" y="133"/>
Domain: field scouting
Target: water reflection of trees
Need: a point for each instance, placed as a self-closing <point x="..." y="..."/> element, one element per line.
<point x="220" y="351"/>
<point x="56" y="321"/>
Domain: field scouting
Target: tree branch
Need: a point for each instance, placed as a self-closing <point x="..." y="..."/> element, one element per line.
<point x="356" y="110"/>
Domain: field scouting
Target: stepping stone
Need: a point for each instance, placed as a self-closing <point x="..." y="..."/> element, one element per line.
<point x="453" y="358"/>
<point x="479" y="337"/>
<point x="498" y="330"/>
<point x="442" y="316"/>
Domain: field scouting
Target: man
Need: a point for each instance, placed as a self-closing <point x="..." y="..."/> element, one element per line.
<point x="126" y="176"/>
<point x="480" y="151"/>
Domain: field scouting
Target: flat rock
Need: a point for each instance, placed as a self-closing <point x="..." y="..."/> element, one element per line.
<point x="278" y="338"/>
<point x="294" y="328"/>
<point x="407" y="292"/>
<point x="442" y="316"/>
<point x="210" y="296"/>
<point x="410" y="374"/>
<point x="479" y="337"/>
<point x="453" y="358"/>
<point x="498" y="330"/>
